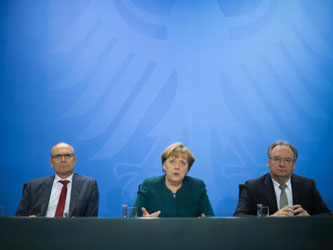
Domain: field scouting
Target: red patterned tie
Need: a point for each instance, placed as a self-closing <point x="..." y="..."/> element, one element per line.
<point x="62" y="200"/>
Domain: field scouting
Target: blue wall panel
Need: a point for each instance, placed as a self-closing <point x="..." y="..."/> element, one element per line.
<point x="121" y="80"/>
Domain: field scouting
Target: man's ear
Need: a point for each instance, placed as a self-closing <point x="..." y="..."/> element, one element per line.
<point x="51" y="162"/>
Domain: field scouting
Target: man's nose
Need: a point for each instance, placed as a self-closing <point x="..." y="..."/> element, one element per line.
<point x="63" y="158"/>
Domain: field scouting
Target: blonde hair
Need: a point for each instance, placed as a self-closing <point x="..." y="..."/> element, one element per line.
<point x="176" y="149"/>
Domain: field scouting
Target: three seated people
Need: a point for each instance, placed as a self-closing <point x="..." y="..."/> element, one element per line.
<point x="174" y="194"/>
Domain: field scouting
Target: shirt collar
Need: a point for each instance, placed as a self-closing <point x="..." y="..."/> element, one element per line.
<point x="277" y="185"/>
<point x="69" y="178"/>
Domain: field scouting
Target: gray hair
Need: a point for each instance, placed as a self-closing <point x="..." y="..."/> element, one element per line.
<point x="282" y="143"/>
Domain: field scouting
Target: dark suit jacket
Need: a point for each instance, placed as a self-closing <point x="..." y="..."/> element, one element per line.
<point x="261" y="191"/>
<point x="84" y="197"/>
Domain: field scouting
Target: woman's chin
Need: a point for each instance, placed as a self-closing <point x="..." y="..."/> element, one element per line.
<point x="176" y="179"/>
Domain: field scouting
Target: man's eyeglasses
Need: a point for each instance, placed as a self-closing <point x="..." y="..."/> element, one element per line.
<point x="285" y="161"/>
<point x="59" y="157"/>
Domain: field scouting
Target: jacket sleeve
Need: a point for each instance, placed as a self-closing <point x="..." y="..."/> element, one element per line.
<point x="141" y="199"/>
<point x="205" y="206"/>
<point x="319" y="207"/>
<point x="245" y="203"/>
<point x="92" y="209"/>
<point x="24" y="205"/>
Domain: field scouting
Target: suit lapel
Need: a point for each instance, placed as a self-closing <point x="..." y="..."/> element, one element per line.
<point x="45" y="194"/>
<point x="295" y="189"/>
<point x="270" y="194"/>
<point x="76" y="187"/>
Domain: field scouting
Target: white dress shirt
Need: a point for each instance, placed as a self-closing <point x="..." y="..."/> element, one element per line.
<point x="278" y="191"/>
<point x="55" y="193"/>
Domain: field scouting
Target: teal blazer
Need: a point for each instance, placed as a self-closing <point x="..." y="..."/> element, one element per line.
<point x="191" y="199"/>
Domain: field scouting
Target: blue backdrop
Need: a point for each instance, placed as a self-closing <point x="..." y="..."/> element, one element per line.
<point x="121" y="80"/>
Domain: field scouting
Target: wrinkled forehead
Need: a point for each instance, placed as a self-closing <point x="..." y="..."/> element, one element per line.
<point x="62" y="148"/>
<point x="282" y="150"/>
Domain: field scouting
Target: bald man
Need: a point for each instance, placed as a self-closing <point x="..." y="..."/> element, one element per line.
<point x="65" y="194"/>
